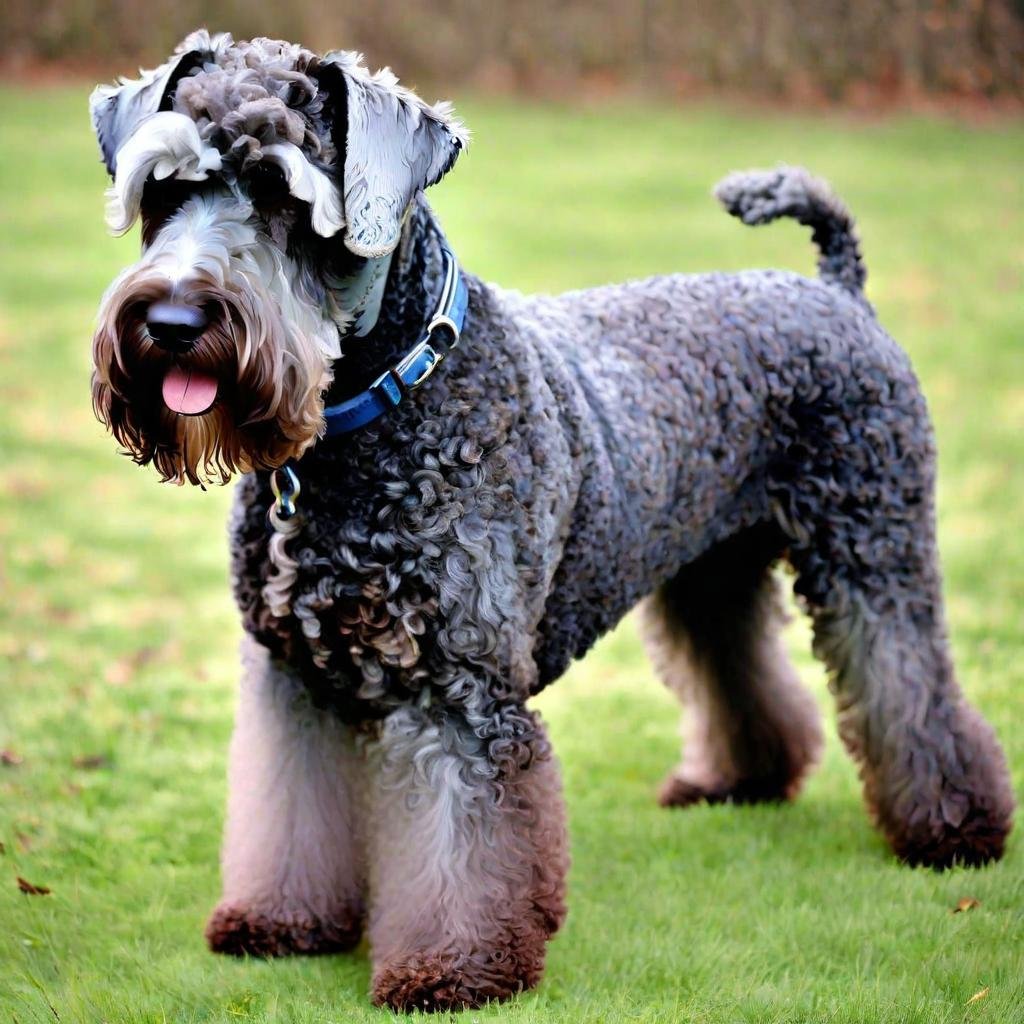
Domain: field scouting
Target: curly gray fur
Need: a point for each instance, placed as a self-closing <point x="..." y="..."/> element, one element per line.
<point x="580" y="451"/>
<point x="256" y="93"/>
<point x="759" y="197"/>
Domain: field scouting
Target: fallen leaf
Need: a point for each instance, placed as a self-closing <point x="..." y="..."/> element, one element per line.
<point x="37" y="890"/>
<point x="122" y="671"/>
<point x="965" y="904"/>
<point x="24" y="841"/>
<point x="10" y="759"/>
<point x="60" y="614"/>
<point x="3" y="848"/>
<point x="28" y="489"/>
<point x="119" y="672"/>
<point x="54" y="549"/>
<point x="978" y="996"/>
<point x="37" y="653"/>
<point x="90" y="761"/>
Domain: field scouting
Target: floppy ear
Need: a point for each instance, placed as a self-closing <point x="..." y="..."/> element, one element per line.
<point x="394" y="145"/>
<point x="117" y="109"/>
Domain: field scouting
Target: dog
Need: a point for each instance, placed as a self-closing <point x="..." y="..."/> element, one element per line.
<point x="449" y="491"/>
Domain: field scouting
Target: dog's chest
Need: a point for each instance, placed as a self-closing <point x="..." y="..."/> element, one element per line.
<point x="401" y="574"/>
<point x="345" y="601"/>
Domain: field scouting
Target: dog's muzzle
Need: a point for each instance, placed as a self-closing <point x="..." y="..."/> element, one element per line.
<point x="175" y="327"/>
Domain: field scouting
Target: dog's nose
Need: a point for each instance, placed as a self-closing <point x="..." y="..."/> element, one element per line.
<point x="175" y="326"/>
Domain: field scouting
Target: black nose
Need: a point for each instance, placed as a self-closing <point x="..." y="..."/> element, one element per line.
<point x="175" y="326"/>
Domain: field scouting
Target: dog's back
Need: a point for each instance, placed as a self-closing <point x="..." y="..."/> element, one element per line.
<point x="683" y="394"/>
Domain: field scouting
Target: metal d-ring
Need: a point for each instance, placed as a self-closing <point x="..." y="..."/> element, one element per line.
<point x="446" y="322"/>
<point x="284" y="482"/>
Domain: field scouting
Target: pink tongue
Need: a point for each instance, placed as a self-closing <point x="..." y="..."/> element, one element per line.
<point x="189" y="391"/>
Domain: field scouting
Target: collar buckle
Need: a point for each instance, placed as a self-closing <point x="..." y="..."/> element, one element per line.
<point x="423" y="360"/>
<point x="416" y="366"/>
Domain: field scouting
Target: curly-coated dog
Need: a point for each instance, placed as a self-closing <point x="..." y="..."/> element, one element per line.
<point x="466" y="487"/>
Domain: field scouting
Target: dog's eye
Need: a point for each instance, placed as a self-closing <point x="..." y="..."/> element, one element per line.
<point x="267" y="185"/>
<point x="160" y="201"/>
<point x="164" y="197"/>
<point x="166" y="194"/>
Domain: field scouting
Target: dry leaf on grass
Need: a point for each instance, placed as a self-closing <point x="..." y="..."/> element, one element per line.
<point x="10" y="759"/>
<point x="32" y="890"/>
<point x="60" y="614"/>
<point x="36" y="653"/>
<point x="965" y="904"/>
<point x="90" y="761"/>
<point x="122" y="671"/>
<point x="978" y="996"/>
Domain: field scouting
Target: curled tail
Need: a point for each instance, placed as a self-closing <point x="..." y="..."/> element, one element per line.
<point x="757" y="197"/>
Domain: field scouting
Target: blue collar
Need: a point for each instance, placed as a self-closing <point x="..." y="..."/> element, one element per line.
<point x="415" y="366"/>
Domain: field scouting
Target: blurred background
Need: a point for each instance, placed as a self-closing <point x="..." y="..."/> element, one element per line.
<point x="599" y="130"/>
<point x="804" y="50"/>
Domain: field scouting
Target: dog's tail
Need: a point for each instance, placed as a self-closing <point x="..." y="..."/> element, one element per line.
<point x="758" y="197"/>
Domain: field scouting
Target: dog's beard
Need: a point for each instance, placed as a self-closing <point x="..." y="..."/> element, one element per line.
<point x="268" y="405"/>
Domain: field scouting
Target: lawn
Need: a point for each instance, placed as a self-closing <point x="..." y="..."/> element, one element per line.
<point x="117" y="635"/>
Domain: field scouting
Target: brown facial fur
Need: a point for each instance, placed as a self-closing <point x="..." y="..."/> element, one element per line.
<point x="266" y="410"/>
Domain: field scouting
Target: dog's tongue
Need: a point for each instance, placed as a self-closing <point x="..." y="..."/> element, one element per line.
<point x="190" y="392"/>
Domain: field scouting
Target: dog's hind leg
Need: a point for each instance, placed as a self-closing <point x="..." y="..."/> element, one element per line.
<point x="935" y="779"/>
<point x="290" y="861"/>
<point x="751" y="730"/>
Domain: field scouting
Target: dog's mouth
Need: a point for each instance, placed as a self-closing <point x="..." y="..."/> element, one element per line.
<point x="189" y="391"/>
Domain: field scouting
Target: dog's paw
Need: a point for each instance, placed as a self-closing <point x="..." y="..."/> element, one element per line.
<point x="240" y="931"/>
<point x="963" y="830"/>
<point x="680" y="792"/>
<point x="977" y="842"/>
<point x="953" y="804"/>
<point x="435" y="983"/>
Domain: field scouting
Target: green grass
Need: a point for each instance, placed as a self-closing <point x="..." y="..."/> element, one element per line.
<point x="117" y="635"/>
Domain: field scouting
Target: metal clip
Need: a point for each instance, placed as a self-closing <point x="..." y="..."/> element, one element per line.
<point x="449" y="325"/>
<point x="284" y="482"/>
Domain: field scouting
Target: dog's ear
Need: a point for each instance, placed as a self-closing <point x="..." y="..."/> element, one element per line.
<point x="117" y="109"/>
<point x="390" y="146"/>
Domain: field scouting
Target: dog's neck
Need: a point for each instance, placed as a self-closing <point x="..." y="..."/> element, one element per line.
<point x="410" y="295"/>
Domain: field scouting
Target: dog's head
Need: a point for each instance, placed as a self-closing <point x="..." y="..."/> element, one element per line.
<point x="272" y="186"/>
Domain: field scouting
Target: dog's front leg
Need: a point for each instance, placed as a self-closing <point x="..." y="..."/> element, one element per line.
<point x="467" y="857"/>
<point x="290" y="861"/>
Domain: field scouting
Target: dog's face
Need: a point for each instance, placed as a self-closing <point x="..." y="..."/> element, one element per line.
<point x="272" y="186"/>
